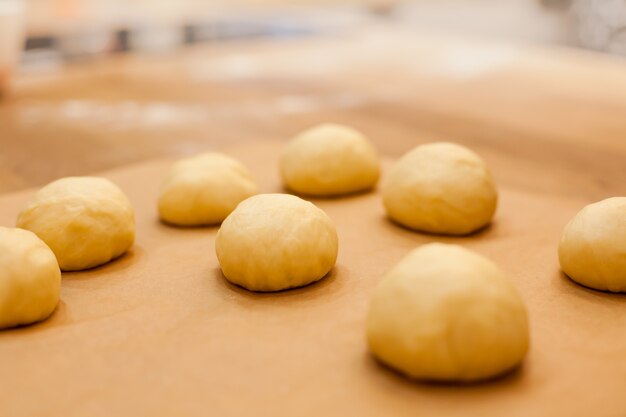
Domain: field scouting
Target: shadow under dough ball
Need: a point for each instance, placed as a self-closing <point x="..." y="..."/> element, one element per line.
<point x="86" y="221"/>
<point x="592" y="250"/>
<point x="444" y="313"/>
<point x="273" y="242"/>
<point x="440" y="188"/>
<point x="30" y="279"/>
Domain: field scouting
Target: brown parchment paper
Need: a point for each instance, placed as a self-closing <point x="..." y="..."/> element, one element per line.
<point x="159" y="332"/>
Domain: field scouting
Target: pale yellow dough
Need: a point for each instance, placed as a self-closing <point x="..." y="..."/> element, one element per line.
<point x="329" y="160"/>
<point x="86" y="221"/>
<point x="30" y="278"/>
<point x="440" y="188"/>
<point x="445" y="313"/>
<point x="204" y="189"/>
<point x="273" y="242"/>
<point x="592" y="251"/>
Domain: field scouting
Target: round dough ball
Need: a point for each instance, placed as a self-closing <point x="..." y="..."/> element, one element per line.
<point x="445" y="313"/>
<point x="30" y="279"/>
<point x="273" y="242"/>
<point x="86" y="221"/>
<point x="329" y="160"/>
<point x="440" y="188"/>
<point x="204" y="189"/>
<point x="592" y="251"/>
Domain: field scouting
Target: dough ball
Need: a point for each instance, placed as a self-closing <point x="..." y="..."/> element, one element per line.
<point x="440" y="188"/>
<point x="30" y="279"/>
<point x="272" y="242"/>
<point x="86" y="221"/>
<point x="204" y="189"/>
<point x="445" y="313"/>
<point x="592" y="251"/>
<point x="329" y="160"/>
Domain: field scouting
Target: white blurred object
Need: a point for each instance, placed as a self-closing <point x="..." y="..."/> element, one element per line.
<point x="90" y="41"/>
<point x="601" y="24"/>
<point x="11" y="39"/>
<point x="515" y="20"/>
<point x="156" y="24"/>
<point x="155" y="38"/>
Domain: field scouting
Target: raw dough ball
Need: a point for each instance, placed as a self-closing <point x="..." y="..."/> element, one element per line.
<point x="203" y="190"/>
<point x="329" y="160"/>
<point x="272" y="242"/>
<point x="440" y="188"/>
<point x="30" y="279"/>
<point x="86" y="221"/>
<point x="592" y="251"/>
<point x="445" y="313"/>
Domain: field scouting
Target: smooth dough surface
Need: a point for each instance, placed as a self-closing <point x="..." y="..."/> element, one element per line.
<point x="204" y="189"/>
<point x="273" y="242"/>
<point x="86" y="221"/>
<point x="440" y="188"/>
<point x="592" y="250"/>
<point x="329" y="160"/>
<point x="445" y="313"/>
<point x="30" y="279"/>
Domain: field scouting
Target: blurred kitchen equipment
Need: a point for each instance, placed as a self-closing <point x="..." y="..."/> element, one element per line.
<point x="11" y="39"/>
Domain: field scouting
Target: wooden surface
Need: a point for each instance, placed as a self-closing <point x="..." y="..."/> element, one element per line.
<point x="148" y="334"/>
<point x="548" y="120"/>
<point x="160" y="332"/>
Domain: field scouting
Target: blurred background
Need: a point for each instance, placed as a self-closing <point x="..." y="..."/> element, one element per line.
<point x="74" y="29"/>
<point x="96" y="84"/>
<point x="47" y="33"/>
